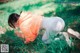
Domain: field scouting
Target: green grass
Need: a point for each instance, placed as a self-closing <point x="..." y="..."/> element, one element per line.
<point x="69" y="12"/>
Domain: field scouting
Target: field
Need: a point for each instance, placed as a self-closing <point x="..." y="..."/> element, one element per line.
<point x="68" y="10"/>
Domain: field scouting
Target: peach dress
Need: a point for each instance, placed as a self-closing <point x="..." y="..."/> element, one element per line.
<point x="29" y="24"/>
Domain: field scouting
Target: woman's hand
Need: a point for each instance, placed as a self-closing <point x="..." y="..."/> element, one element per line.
<point x="19" y="34"/>
<point x="26" y="42"/>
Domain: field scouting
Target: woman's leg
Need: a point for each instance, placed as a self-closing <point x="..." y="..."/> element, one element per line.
<point x="45" y="37"/>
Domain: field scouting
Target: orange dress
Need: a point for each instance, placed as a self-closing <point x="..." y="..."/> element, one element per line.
<point x="29" y="24"/>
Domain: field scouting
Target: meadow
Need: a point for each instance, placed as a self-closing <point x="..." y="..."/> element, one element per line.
<point x="67" y="10"/>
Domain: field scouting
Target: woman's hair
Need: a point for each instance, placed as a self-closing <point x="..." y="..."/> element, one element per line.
<point x="13" y="18"/>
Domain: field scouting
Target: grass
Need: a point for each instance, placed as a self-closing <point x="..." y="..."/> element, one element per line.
<point x="47" y="8"/>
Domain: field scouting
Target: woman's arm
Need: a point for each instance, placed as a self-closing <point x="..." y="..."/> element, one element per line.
<point x="20" y="34"/>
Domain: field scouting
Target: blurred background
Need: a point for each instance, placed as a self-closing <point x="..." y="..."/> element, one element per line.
<point x="69" y="10"/>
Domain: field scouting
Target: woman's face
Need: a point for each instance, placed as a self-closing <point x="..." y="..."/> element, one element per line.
<point x="16" y="24"/>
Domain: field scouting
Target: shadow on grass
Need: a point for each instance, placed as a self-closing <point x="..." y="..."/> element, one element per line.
<point x="17" y="45"/>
